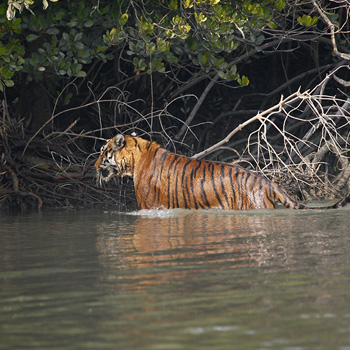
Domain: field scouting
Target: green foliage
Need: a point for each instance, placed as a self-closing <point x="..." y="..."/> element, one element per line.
<point x="54" y="43"/>
<point x="307" y="21"/>
<point x="202" y="35"/>
<point x="63" y="39"/>
<point x="11" y="50"/>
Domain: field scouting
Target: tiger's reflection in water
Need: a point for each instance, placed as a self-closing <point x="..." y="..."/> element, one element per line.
<point x="160" y="249"/>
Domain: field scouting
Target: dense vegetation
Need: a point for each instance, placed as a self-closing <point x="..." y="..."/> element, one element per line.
<point x="189" y="74"/>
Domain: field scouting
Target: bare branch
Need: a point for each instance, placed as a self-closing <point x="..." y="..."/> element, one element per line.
<point x="259" y="116"/>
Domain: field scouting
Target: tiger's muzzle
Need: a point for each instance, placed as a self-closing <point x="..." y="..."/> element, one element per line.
<point x="104" y="174"/>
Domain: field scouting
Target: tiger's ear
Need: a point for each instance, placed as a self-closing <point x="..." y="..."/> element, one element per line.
<point x="119" y="142"/>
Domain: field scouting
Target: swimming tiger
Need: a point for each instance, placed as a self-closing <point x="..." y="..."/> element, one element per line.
<point x="166" y="180"/>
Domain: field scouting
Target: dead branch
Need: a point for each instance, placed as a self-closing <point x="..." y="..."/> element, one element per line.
<point x="259" y="116"/>
<point x="342" y="81"/>
<point x="301" y="163"/>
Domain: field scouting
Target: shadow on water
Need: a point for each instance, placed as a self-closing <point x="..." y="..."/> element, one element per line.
<point x="176" y="279"/>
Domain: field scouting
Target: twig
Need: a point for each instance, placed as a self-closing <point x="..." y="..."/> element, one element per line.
<point x="196" y="107"/>
<point x="341" y="81"/>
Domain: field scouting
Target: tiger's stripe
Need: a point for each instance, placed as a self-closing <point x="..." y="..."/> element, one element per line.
<point x="163" y="179"/>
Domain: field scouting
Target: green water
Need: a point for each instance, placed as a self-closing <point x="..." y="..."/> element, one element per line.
<point x="178" y="279"/>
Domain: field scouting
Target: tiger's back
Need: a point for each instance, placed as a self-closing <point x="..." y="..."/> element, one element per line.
<point x="172" y="181"/>
<point x="167" y="180"/>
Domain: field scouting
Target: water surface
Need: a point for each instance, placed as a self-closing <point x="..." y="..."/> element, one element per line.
<point x="178" y="279"/>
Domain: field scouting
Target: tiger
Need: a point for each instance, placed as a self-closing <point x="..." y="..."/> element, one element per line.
<point x="167" y="180"/>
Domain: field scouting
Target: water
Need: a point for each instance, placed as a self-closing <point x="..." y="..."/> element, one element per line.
<point x="95" y="279"/>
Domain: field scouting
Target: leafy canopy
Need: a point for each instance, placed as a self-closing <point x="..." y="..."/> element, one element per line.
<point x="61" y="39"/>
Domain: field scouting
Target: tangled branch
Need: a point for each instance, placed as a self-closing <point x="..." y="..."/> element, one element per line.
<point x="55" y="168"/>
<point x="316" y="164"/>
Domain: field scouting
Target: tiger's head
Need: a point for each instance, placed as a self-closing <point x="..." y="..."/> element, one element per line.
<point x="116" y="158"/>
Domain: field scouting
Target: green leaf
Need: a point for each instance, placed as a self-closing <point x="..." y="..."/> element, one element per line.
<point x="146" y="26"/>
<point x="81" y="74"/>
<point x="150" y="48"/>
<point x="272" y="25"/>
<point x="221" y="63"/>
<point x="89" y="23"/>
<point x="76" y="67"/>
<point x="280" y="5"/>
<point x="171" y="58"/>
<point x="200" y="18"/>
<point x="307" y="21"/>
<point x="204" y="59"/>
<point x="123" y="19"/>
<point x="142" y="64"/>
<point x="53" y="31"/>
<point x="32" y="37"/>
<point x="173" y="5"/>
<point x="65" y="36"/>
<point x="9" y="83"/>
<point x="222" y="74"/>
<point x="188" y="4"/>
<point x="78" y="37"/>
<point x="233" y="69"/>
<point x="60" y="15"/>
<point x="112" y="36"/>
<point x="162" y="45"/>
<point x="243" y="81"/>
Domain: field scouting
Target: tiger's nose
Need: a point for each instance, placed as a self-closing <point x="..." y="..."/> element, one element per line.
<point x="105" y="172"/>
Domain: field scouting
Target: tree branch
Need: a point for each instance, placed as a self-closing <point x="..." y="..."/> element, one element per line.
<point x="259" y="116"/>
<point x="331" y="28"/>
